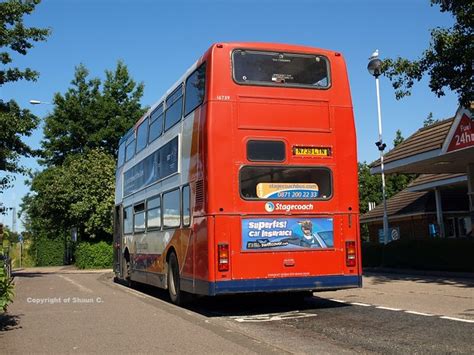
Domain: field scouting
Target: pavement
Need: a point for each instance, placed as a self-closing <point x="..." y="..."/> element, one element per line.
<point x="446" y="296"/>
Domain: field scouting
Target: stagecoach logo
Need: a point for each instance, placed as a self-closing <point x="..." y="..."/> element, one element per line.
<point x="271" y="207"/>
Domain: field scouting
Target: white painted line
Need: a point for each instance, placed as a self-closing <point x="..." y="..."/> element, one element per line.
<point x="338" y="301"/>
<point x="458" y="319"/>
<point x="420" y="313"/>
<point x="77" y="284"/>
<point x="389" y="308"/>
<point x="361" y="304"/>
<point x="270" y="317"/>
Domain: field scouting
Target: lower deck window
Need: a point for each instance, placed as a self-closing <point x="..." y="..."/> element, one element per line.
<point x="171" y="209"/>
<point x="127" y="220"/>
<point x="285" y="183"/>
<point x="153" y="214"/>
<point x="139" y="218"/>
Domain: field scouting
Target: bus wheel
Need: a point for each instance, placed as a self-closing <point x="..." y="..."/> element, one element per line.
<point x="173" y="279"/>
<point x="126" y="271"/>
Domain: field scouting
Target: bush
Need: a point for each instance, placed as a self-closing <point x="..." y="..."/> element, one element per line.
<point x="94" y="255"/>
<point x="430" y="254"/>
<point x="48" y="252"/>
<point x="6" y="283"/>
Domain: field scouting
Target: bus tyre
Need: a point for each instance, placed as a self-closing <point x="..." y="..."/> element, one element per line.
<point x="126" y="272"/>
<point x="173" y="280"/>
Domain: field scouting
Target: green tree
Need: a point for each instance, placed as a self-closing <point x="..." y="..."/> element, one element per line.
<point x="76" y="188"/>
<point x="78" y="193"/>
<point x="90" y="187"/>
<point x="90" y="115"/>
<point x="429" y="120"/>
<point x="398" y="138"/>
<point x="15" y="123"/>
<point x="447" y="61"/>
<point x="370" y="187"/>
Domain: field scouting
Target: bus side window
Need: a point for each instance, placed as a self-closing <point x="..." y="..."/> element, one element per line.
<point x="153" y="213"/>
<point x="139" y="218"/>
<point x="186" y="206"/>
<point x="195" y="90"/>
<point x="171" y="210"/>
<point x="156" y="123"/>
<point x="142" y="135"/>
<point x="121" y="155"/>
<point x="130" y="149"/>
<point x="127" y="220"/>
<point x="174" y="108"/>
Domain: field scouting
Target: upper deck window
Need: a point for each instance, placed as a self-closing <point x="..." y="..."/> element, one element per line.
<point x="121" y="154"/>
<point x="195" y="89"/>
<point x="130" y="148"/>
<point x="174" y="108"/>
<point x="142" y="135"/>
<point x="156" y="123"/>
<point x="280" y="69"/>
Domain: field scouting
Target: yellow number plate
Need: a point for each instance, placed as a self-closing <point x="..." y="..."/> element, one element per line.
<point x="312" y="151"/>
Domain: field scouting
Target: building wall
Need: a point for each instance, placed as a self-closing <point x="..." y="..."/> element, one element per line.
<point x="415" y="227"/>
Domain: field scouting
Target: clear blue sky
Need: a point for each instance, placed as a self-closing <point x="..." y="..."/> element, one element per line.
<point x="159" y="40"/>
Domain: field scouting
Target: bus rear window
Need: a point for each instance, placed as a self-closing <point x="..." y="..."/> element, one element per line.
<point x="280" y="69"/>
<point x="285" y="183"/>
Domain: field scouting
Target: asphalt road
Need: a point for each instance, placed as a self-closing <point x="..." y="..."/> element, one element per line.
<point x="67" y="311"/>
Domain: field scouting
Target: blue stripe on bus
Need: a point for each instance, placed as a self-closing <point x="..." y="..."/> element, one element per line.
<point x="284" y="284"/>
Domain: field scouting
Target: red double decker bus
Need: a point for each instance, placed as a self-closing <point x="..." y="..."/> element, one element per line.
<point x="243" y="177"/>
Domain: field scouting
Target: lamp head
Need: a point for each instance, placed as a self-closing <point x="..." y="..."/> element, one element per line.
<point x="375" y="64"/>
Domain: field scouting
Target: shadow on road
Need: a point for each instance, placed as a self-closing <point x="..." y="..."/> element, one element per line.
<point x="39" y="272"/>
<point x="257" y="304"/>
<point x="384" y="278"/>
<point x="9" y="322"/>
<point x="246" y="304"/>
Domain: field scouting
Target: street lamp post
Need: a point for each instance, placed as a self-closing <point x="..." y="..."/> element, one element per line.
<point x="375" y="68"/>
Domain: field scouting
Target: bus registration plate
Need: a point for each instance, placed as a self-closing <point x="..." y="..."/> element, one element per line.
<point x="312" y="151"/>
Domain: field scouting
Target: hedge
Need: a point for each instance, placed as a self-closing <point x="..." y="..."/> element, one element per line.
<point x="94" y="255"/>
<point x="428" y="254"/>
<point x="48" y="252"/>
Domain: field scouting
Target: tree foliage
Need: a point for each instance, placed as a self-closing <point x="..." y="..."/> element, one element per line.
<point x="78" y="193"/>
<point x="16" y="37"/>
<point x="447" y="61"/>
<point x="76" y="187"/>
<point x="429" y="120"/>
<point x="15" y="123"/>
<point x="91" y="115"/>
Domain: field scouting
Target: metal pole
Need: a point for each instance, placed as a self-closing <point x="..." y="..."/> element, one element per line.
<point x="379" y="113"/>
<point x="13" y="219"/>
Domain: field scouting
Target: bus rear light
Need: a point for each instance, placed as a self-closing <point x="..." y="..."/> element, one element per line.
<point x="351" y="254"/>
<point x="223" y="257"/>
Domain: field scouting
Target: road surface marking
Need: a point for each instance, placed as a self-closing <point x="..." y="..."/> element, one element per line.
<point x="270" y="317"/>
<point x="361" y="304"/>
<point x="398" y="310"/>
<point x="335" y="300"/>
<point x="420" y="313"/>
<point x="458" y="319"/>
<point x="388" y="308"/>
<point x="77" y="284"/>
